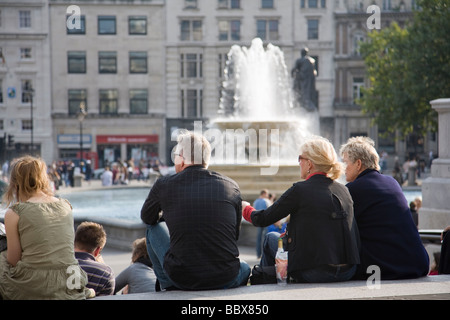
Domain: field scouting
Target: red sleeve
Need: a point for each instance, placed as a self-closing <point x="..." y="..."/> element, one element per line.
<point x="247" y="214"/>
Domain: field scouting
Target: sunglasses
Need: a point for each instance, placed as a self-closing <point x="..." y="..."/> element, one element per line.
<point x="300" y="157"/>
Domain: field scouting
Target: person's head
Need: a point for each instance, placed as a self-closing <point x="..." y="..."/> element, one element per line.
<point x="139" y="249"/>
<point x="318" y="155"/>
<point x="90" y="237"/>
<point x="304" y="51"/>
<point x="191" y="149"/>
<point x="418" y="202"/>
<point x="264" y="193"/>
<point x="28" y="177"/>
<point x="358" y="155"/>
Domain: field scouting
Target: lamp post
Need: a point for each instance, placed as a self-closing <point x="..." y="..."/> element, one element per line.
<point x="30" y="92"/>
<point x="81" y="115"/>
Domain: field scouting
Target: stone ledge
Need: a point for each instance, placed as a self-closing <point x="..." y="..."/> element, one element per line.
<point x="435" y="287"/>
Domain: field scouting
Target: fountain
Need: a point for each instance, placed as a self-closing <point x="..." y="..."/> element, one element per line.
<point x="260" y="125"/>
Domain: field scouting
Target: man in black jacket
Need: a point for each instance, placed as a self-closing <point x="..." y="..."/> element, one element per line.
<point x="193" y="244"/>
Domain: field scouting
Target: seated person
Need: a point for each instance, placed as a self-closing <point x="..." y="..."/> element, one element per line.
<point x="389" y="237"/>
<point x="90" y="238"/>
<point x="39" y="262"/>
<point x="322" y="238"/>
<point x="194" y="245"/>
<point x="139" y="276"/>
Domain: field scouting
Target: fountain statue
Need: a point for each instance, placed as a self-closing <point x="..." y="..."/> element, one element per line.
<point x="260" y="123"/>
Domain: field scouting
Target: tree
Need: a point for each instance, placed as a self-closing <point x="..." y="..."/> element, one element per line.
<point x="408" y="68"/>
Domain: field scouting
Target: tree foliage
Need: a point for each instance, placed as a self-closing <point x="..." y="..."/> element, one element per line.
<point x="407" y="68"/>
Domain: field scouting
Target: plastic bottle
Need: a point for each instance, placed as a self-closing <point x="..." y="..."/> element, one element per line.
<point x="281" y="263"/>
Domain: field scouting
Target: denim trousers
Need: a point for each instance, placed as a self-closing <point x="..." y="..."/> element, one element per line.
<point x="158" y="242"/>
<point x="322" y="273"/>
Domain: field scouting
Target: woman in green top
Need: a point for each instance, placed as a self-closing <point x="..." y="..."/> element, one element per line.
<point x="39" y="262"/>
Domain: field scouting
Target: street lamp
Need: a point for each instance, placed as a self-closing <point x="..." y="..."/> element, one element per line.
<point x="81" y="115"/>
<point x="30" y="92"/>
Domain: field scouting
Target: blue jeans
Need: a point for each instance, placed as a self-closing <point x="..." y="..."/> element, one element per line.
<point x="158" y="242"/>
<point x="323" y="273"/>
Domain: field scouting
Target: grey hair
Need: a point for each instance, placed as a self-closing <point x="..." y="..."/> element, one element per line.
<point x="194" y="148"/>
<point x="362" y="148"/>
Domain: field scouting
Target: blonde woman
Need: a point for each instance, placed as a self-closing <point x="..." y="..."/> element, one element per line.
<point x="322" y="238"/>
<point x="39" y="262"/>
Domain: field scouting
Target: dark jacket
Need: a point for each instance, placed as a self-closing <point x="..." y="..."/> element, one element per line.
<point x="321" y="229"/>
<point x="203" y="211"/>
<point x="389" y="237"/>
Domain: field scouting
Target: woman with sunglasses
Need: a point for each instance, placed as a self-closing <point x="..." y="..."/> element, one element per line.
<point x="322" y="237"/>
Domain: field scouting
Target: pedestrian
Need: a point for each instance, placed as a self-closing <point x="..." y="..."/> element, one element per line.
<point x="193" y="245"/>
<point x="39" y="262"/>
<point x="261" y="203"/>
<point x="107" y="177"/>
<point x="389" y="238"/>
<point x="321" y="237"/>
<point x="139" y="276"/>
<point x="90" y="239"/>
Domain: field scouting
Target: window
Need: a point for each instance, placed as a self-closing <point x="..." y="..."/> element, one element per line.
<point x="138" y="62"/>
<point x="266" y="3"/>
<point x="229" y="4"/>
<point x="25" y="53"/>
<point x="137" y="25"/>
<point x="190" y="4"/>
<point x="313" y="29"/>
<point x="27" y="90"/>
<point x="76" y="62"/>
<point x="191" y="103"/>
<point x="358" y="83"/>
<point x="358" y="38"/>
<point x="229" y="30"/>
<point x="191" y="30"/>
<point x="138" y="101"/>
<point x="191" y="65"/>
<point x="107" y="62"/>
<point x="312" y="3"/>
<point x="267" y="29"/>
<point x="106" y="24"/>
<point x="108" y="101"/>
<point x="25" y="19"/>
<point x="27" y="124"/>
<point x="76" y="98"/>
<point x="81" y="30"/>
<point x="222" y="61"/>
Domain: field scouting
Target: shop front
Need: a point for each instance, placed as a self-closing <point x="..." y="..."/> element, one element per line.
<point x="139" y="148"/>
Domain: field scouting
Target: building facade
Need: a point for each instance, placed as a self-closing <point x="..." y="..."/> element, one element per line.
<point x="112" y="65"/>
<point x="143" y="68"/>
<point x="25" y="100"/>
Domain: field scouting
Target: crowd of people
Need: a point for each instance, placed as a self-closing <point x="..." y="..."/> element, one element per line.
<point x="331" y="231"/>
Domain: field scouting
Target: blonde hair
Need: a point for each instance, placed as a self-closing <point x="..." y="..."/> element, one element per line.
<point x="361" y="148"/>
<point x="28" y="176"/>
<point x="322" y="153"/>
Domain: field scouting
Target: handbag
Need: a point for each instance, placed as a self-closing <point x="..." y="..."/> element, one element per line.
<point x="263" y="275"/>
<point x="3" y="244"/>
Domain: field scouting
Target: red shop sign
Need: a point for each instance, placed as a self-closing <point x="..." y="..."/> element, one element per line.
<point x="117" y="139"/>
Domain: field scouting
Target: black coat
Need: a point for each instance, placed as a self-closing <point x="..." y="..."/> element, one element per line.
<point x="321" y="229"/>
<point x="203" y="211"/>
<point x="389" y="237"/>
